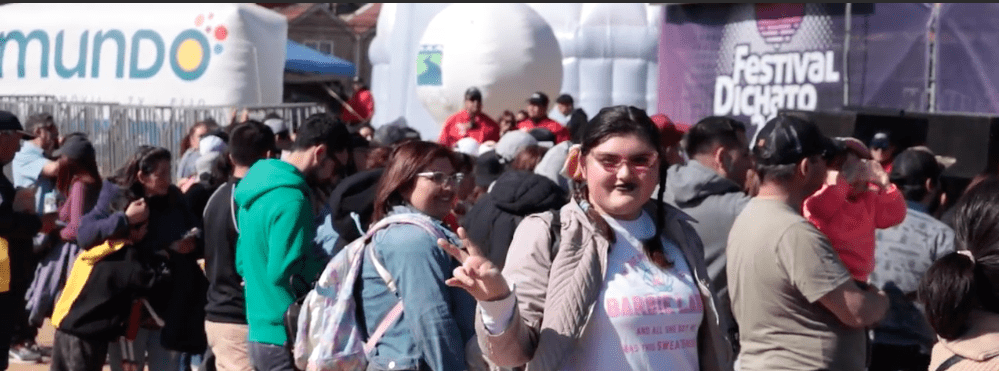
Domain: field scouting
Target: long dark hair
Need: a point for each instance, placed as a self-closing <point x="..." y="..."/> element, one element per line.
<point x="956" y="283"/>
<point x="71" y="171"/>
<point x="145" y="160"/>
<point x="618" y="121"/>
<point x="406" y="161"/>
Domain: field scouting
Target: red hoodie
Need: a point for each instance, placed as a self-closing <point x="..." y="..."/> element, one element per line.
<point x="850" y="224"/>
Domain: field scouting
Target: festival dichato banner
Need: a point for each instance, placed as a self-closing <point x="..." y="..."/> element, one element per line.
<point x="748" y="61"/>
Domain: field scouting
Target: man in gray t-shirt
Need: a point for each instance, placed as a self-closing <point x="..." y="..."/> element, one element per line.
<point x="796" y="306"/>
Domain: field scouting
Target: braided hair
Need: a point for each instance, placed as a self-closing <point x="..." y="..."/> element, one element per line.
<point x="618" y="121"/>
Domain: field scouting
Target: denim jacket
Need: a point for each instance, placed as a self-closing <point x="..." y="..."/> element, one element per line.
<point x="437" y="320"/>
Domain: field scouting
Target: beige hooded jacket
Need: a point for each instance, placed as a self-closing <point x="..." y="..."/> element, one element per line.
<point x="556" y="295"/>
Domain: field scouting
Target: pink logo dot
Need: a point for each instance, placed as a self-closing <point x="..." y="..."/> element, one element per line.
<point x="199" y="20"/>
<point x="221" y="33"/>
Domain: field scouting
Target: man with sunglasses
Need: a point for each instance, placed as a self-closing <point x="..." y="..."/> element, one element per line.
<point x="883" y="150"/>
<point x="709" y="188"/>
<point x="16" y="230"/>
<point x="33" y="169"/>
<point x="276" y="223"/>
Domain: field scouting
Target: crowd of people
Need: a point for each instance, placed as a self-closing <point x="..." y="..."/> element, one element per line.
<point x="617" y="241"/>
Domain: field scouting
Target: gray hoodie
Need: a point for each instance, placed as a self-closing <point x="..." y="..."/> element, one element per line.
<point x="713" y="202"/>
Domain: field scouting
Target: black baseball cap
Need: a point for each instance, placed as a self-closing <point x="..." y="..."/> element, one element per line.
<point x="565" y="99"/>
<point x="473" y="94"/>
<point x="538" y="99"/>
<point x="788" y="140"/>
<point x="881" y="140"/>
<point x="542" y="135"/>
<point x="488" y="168"/>
<point x="9" y="121"/>
<point x="75" y="147"/>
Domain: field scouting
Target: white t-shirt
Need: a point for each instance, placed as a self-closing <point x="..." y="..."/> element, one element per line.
<point x="646" y="317"/>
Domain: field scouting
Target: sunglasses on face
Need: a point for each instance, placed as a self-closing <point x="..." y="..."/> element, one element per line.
<point x="441" y="178"/>
<point x="641" y="163"/>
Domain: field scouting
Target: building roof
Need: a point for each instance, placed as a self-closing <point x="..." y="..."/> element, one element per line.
<point x="364" y="19"/>
<point x="292" y="12"/>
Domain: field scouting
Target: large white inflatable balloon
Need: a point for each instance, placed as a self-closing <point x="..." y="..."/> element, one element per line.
<point x="508" y="51"/>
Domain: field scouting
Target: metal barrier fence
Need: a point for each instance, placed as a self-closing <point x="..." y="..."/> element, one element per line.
<point x="117" y="130"/>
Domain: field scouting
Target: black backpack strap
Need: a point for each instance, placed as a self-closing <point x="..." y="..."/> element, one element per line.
<point x="950" y="362"/>
<point x="555" y="231"/>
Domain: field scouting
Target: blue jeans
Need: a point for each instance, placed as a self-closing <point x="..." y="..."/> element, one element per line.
<point x="267" y="357"/>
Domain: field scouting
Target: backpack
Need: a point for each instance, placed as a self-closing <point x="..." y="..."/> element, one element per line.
<point x="329" y="336"/>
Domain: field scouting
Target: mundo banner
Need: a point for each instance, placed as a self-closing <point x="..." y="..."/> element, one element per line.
<point x="153" y="54"/>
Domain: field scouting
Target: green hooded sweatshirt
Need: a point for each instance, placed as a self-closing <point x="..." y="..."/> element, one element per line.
<point x="276" y="229"/>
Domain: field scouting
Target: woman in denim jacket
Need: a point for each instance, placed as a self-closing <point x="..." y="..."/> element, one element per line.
<point x="437" y="321"/>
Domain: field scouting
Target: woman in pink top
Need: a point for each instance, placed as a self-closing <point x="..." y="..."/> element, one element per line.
<point x="856" y="199"/>
<point x="79" y="181"/>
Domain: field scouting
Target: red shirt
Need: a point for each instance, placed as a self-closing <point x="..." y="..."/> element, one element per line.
<point x="485" y="129"/>
<point x="363" y="103"/>
<point x="561" y="132"/>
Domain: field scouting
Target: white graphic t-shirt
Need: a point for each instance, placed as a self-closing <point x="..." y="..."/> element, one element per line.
<point x="646" y="317"/>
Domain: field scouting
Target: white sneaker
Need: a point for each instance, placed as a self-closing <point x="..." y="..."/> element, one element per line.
<point x="23" y="354"/>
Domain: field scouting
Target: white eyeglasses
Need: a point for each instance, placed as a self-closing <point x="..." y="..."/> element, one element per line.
<point x="441" y="178"/>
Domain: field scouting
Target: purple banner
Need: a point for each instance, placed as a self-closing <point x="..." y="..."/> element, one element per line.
<point x="750" y="60"/>
<point x="967" y="77"/>
<point x="888" y="55"/>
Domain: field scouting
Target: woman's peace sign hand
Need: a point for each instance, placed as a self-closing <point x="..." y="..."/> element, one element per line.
<point x="477" y="275"/>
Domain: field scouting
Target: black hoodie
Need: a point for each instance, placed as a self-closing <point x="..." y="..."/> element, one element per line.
<point x="226" y="301"/>
<point x="516" y="194"/>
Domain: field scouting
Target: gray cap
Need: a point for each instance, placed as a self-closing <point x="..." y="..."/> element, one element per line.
<point x="204" y="162"/>
<point x="511" y="143"/>
<point x="390" y="134"/>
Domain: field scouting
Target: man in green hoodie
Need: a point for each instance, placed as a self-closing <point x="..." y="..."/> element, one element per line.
<point x="276" y="228"/>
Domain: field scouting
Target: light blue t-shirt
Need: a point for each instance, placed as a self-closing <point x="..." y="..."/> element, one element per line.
<point x="27" y="169"/>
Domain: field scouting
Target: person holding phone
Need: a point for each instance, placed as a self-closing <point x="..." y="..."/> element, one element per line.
<point x="143" y="186"/>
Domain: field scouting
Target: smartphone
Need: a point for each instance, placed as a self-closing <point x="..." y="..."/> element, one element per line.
<point x="194" y="232"/>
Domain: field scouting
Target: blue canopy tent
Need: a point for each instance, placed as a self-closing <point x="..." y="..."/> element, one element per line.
<point x="303" y="59"/>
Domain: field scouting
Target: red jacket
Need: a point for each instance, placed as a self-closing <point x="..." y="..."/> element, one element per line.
<point x="363" y="103"/>
<point x="850" y="224"/>
<point x="561" y="132"/>
<point x="485" y="129"/>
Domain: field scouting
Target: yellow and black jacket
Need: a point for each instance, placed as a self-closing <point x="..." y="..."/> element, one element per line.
<point x="98" y="295"/>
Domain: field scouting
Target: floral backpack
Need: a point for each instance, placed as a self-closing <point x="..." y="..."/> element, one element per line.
<point x="328" y="335"/>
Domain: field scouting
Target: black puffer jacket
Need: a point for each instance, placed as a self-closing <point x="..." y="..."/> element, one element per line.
<point x="493" y="219"/>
